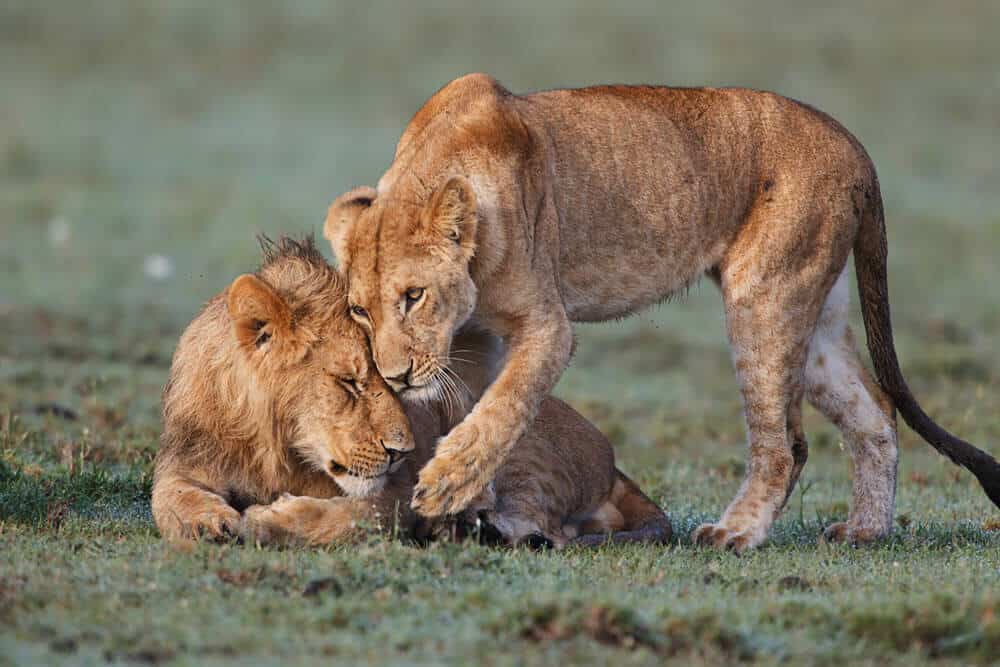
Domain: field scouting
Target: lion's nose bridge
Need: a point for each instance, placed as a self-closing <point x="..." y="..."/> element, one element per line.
<point x="392" y="429"/>
<point x="391" y="358"/>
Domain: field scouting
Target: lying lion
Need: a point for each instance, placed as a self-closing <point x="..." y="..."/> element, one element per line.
<point x="277" y="426"/>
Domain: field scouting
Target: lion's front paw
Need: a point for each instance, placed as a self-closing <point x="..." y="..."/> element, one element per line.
<point x="453" y="479"/>
<point x="267" y="524"/>
<point x="219" y="524"/>
<point x="721" y="537"/>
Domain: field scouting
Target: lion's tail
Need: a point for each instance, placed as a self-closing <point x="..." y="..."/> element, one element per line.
<point x="870" y="252"/>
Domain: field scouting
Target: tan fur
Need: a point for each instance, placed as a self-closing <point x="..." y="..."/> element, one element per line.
<point x="258" y="406"/>
<point x="521" y="214"/>
<point x="559" y="485"/>
<point x="272" y="392"/>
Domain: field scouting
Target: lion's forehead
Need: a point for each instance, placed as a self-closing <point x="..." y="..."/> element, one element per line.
<point x="386" y="234"/>
<point x="345" y="355"/>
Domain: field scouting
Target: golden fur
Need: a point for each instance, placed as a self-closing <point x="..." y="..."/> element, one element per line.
<point x="559" y="485"/>
<point x="522" y="214"/>
<point x="272" y="392"/>
<point x="273" y="408"/>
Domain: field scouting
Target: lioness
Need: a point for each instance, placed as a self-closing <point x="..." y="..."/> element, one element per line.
<point x="522" y="214"/>
<point x="273" y="407"/>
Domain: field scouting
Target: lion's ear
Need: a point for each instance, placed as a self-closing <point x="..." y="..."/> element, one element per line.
<point x="340" y="219"/>
<point x="257" y="311"/>
<point x="451" y="214"/>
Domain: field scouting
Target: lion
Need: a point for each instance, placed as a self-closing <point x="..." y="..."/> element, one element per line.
<point x="272" y="391"/>
<point x="523" y="214"/>
<point x="559" y="486"/>
<point x="277" y="428"/>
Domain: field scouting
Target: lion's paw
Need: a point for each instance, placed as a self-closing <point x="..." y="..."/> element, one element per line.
<point x="265" y="524"/>
<point x="453" y="479"/>
<point x="843" y="531"/>
<point x="721" y="537"/>
<point x="220" y="524"/>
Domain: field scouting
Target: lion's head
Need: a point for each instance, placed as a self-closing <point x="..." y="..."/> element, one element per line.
<point x="409" y="282"/>
<point x="275" y="366"/>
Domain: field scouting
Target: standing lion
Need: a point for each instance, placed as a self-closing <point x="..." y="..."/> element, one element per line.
<point x="523" y="214"/>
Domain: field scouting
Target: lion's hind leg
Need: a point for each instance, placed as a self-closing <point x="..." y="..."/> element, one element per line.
<point x="800" y="447"/>
<point x="628" y="516"/>
<point x="769" y="349"/>
<point x="775" y="278"/>
<point x="840" y="387"/>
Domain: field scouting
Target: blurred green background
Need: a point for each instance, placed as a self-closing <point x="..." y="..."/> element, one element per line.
<point x="144" y="144"/>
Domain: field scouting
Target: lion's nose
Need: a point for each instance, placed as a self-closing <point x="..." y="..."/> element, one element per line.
<point x="402" y="380"/>
<point x="399" y="440"/>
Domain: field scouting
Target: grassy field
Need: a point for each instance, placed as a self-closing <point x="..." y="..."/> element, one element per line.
<point x="144" y="144"/>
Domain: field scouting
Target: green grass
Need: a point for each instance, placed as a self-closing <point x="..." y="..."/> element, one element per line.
<point x="131" y="130"/>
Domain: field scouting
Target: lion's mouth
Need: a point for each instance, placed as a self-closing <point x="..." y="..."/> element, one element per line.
<point x="396" y="460"/>
<point x="360" y="487"/>
<point x="337" y="470"/>
<point x="395" y="463"/>
<point x="424" y="393"/>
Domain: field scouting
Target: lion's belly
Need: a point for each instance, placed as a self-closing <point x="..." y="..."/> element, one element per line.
<point x="612" y="272"/>
<point x="645" y="207"/>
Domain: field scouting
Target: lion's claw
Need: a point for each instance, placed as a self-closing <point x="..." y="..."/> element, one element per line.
<point x="217" y="525"/>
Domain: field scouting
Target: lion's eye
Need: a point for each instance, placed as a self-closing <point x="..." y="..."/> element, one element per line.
<point x="413" y="296"/>
<point x="358" y="311"/>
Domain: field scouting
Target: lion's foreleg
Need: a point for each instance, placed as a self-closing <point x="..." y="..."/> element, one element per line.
<point x="472" y="452"/>
<point x="184" y="509"/>
<point x="317" y="521"/>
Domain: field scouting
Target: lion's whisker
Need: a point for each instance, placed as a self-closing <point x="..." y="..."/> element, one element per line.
<point x="441" y="395"/>
<point x="451" y="392"/>
<point x="468" y="351"/>
<point x="455" y="376"/>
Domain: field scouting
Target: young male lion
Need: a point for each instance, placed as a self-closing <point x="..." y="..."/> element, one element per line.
<point x="272" y="392"/>
<point x="273" y="407"/>
<point x="522" y="214"/>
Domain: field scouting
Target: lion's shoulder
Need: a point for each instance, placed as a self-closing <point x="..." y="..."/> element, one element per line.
<point x="472" y="111"/>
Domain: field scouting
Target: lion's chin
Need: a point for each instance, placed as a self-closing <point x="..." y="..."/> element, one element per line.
<point x="422" y="395"/>
<point x="360" y="487"/>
